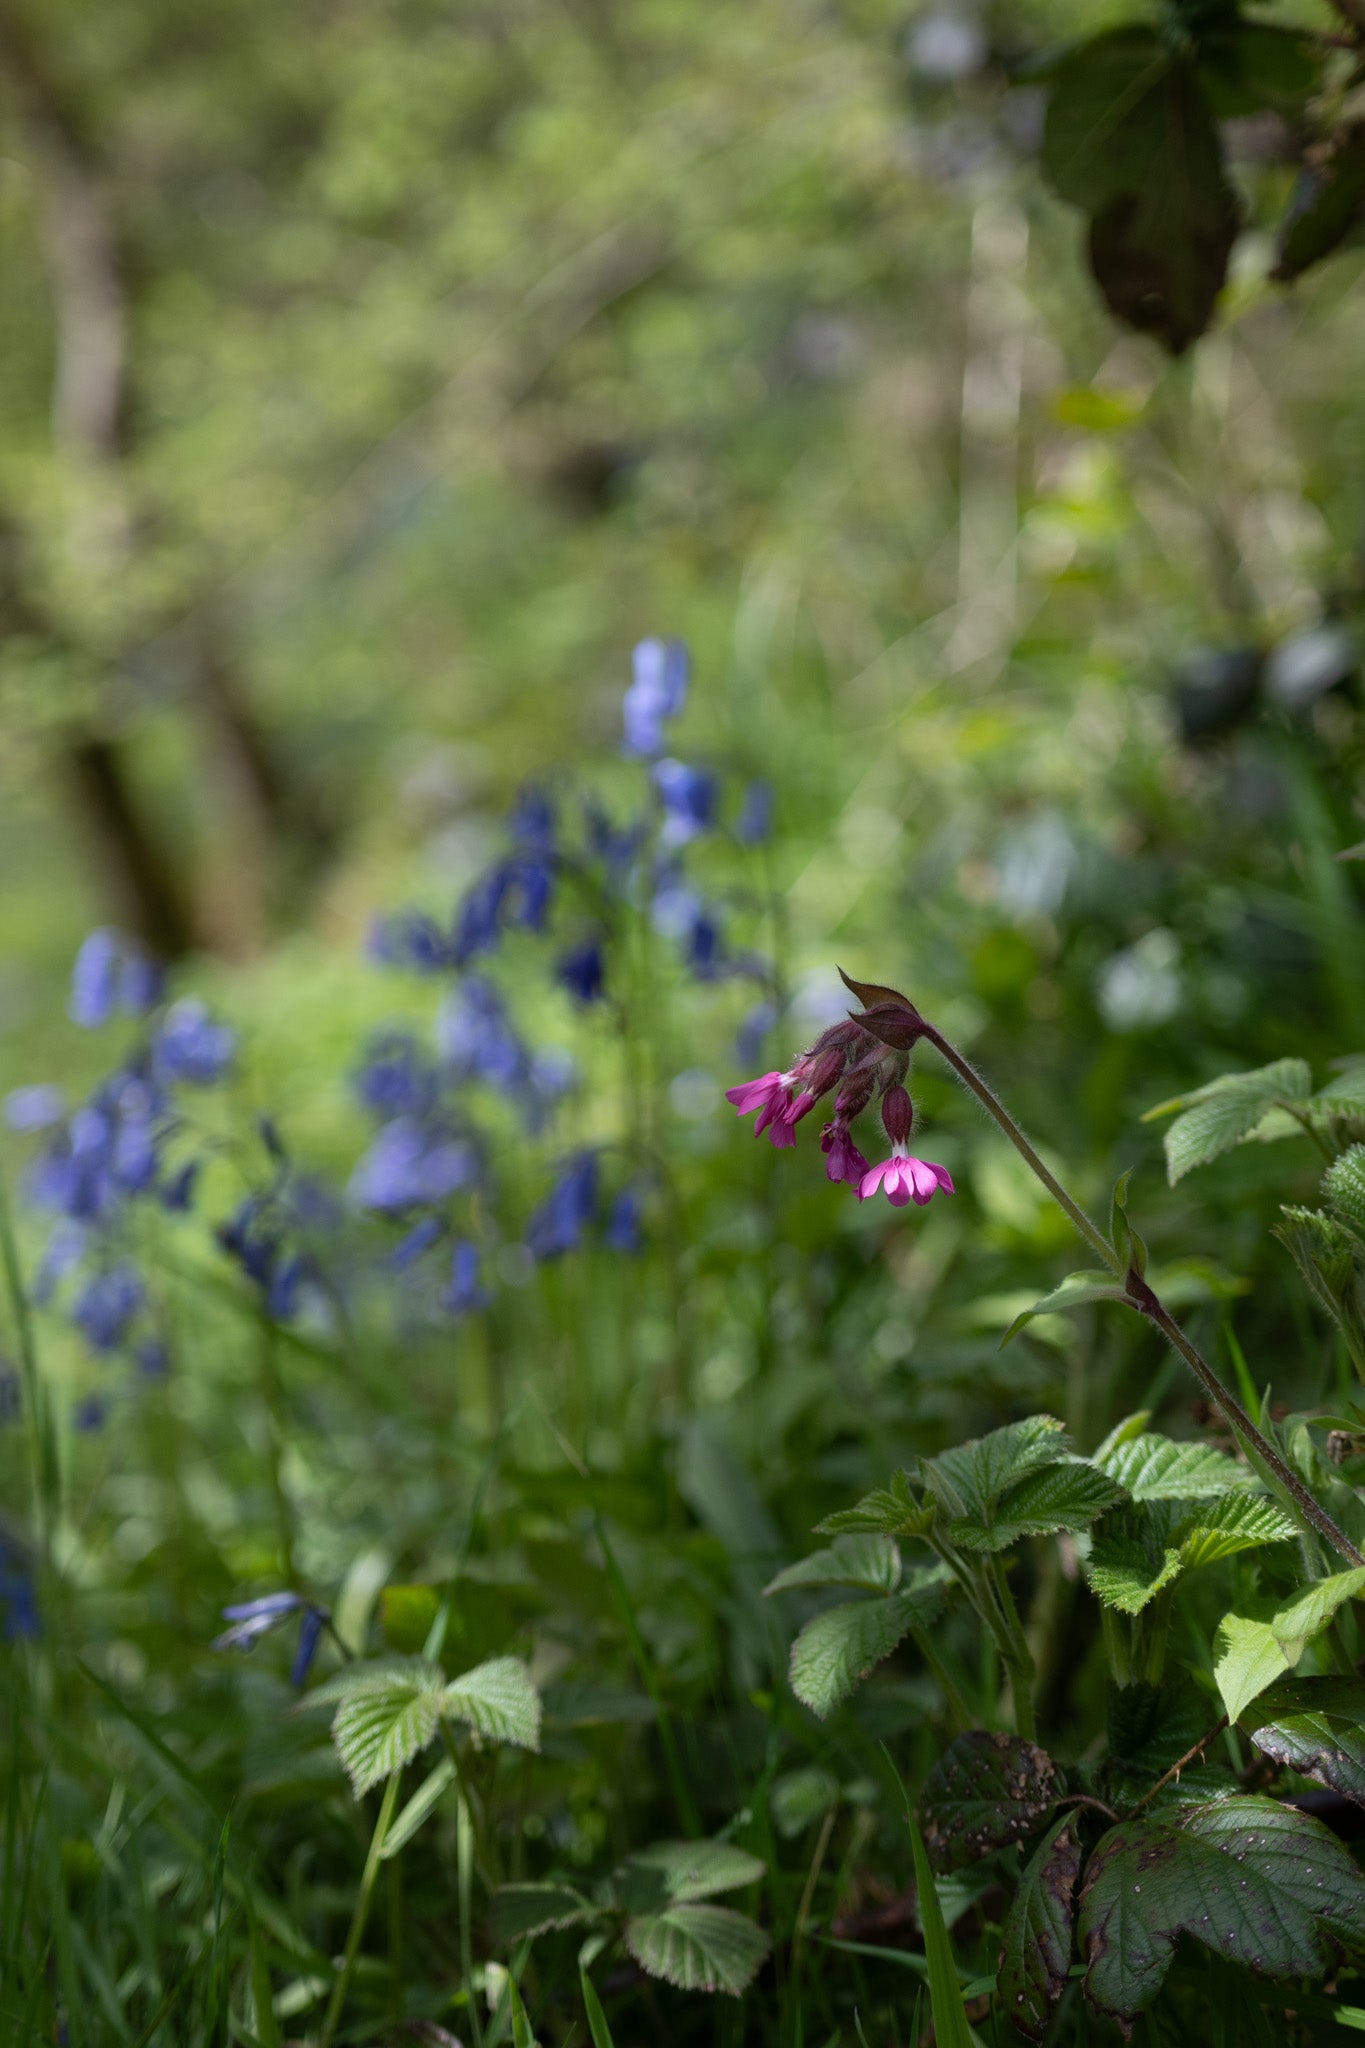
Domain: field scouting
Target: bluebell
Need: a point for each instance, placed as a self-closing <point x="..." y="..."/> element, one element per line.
<point x="688" y="796"/>
<point x="532" y="821"/>
<point x="95" y="979"/>
<point x="107" y="1306"/>
<point x="18" y="1600"/>
<point x="465" y="1295"/>
<point x="397" y="1077"/>
<point x="623" y="1232"/>
<point x="657" y="693"/>
<point x="476" y="1038"/>
<point x="411" y="939"/>
<point x="189" y="1046"/>
<point x="410" y="1164"/>
<point x="561" y="1219"/>
<point x="310" y="1635"/>
<point x="755" y="821"/>
<point x="34" y="1109"/>
<point x="414" y="1242"/>
<point x="252" y="1619"/>
<point x="582" y="971"/>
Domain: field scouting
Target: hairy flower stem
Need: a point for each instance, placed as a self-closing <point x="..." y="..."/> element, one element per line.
<point x="1139" y="1296"/>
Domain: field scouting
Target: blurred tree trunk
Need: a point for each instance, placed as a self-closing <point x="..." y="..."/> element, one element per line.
<point x="253" y="798"/>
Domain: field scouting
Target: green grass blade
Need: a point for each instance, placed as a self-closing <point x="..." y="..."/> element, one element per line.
<point x="597" y="2019"/>
<point x="945" y="1993"/>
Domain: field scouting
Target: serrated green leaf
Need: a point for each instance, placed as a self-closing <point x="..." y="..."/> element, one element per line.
<point x="1238" y="1521"/>
<point x="1344" y="1186"/>
<point x="1226" y="1111"/>
<point x="418" y="1810"/>
<point x="1127" y="1568"/>
<point x="843" y="1644"/>
<point x="869" y="1563"/>
<point x="1075" y="1291"/>
<point x="676" y="1873"/>
<point x="1069" y="1495"/>
<point x="986" y="1791"/>
<point x="699" y="1948"/>
<point x="498" y="1701"/>
<point x="518" y="1912"/>
<point x="887" y="1511"/>
<point x="1315" y="1726"/>
<point x="1252" y="1650"/>
<point x="378" y="1728"/>
<point x="1257" y="1883"/>
<point x="969" y="1479"/>
<point x="374" y="1675"/>
<point x="1122" y="1433"/>
<point x="1152" y="1467"/>
<point x="1035" y="1953"/>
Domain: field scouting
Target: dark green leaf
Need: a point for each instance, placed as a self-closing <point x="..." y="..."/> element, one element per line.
<point x="699" y="1948"/>
<point x="1035" y="1954"/>
<point x="1257" y="66"/>
<point x="892" y="1511"/>
<point x="1152" y="1467"/>
<point x="945" y="1993"/>
<point x="1259" y="1884"/>
<point x="379" y="1728"/>
<point x="843" y="1644"/>
<point x="985" y="1791"/>
<point x="969" y="1479"/>
<point x="1064" y="1496"/>
<point x="1226" y="1111"/>
<point x="1326" y="208"/>
<point x="673" y="1873"/>
<point x="519" y="1911"/>
<point x="498" y="1701"/>
<point x="1315" y="1726"/>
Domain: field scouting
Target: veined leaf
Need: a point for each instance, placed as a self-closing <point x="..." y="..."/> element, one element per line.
<point x="1144" y="1547"/>
<point x="889" y="1511"/>
<point x="1035" y="1955"/>
<point x="498" y="1701"/>
<point x="1152" y="1467"/>
<point x="1222" y="1114"/>
<point x="675" y="1873"/>
<point x="869" y="1563"/>
<point x="1129" y="1565"/>
<point x="699" y="1948"/>
<point x="844" y="1643"/>
<point x="1315" y="1726"/>
<point x="1074" y="1292"/>
<point x="969" y="1479"/>
<point x="1251" y="1651"/>
<point x="1239" y="1521"/>
<point x="1259" y="1884"/>
<point x="1064" y="1496"/>
<point x="985" y="1791"/>
<point x="521" y="1911"/>
<point x="380" y="1727"/>
<point x="1122" y="1433"/>
<point x="374" y="1675"/>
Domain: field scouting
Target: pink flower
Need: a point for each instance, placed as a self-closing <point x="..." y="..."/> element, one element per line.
<point x="771" y="1095"/>
<point x="905" y="1178"/>
<point x="844" y="1162"/>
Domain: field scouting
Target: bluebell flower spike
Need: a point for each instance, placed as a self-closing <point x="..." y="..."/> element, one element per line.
<point x="559" y="1223"/>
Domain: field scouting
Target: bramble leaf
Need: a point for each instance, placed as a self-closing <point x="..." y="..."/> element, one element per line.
<point x="1226" y="1111"/>
<point x="985" y="1791"/>
<point x="1146" y="1546"/>
<point x="498" y="1701"/>
<point x="520" y="1911"/>
<point x="1127" y="1566"/>
<point x="843" y="1644"/>
<point x="379" y="1728"/>
<point x="1152" y="1467"/>
<point x="1075" y="1291"/>
<point x="869" y="1563"/>
<point x="969" y="1479"/>
<point x="1259" y="1884"/>
<point x="1035" y="1954"/>
<point x="672" y="1873"/>
<point x="1315" y="1726"/>
<point x="699" y="1948"/>
<point x="1251" y="1651"/>
<point x="1064" y="1496"/>
<point x="890" y="1511"/>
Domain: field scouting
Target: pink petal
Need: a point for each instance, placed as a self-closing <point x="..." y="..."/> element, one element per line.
<point x="753" y="1094"/>
<point x="873" y="1178"/>
<point x="900" y="1184"/>
<point x="782" y="1132"/>
<point x="945" y="1179"/>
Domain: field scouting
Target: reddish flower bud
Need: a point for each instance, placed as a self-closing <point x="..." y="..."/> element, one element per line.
<point x="860" y="1085"/>
<point x="896" y="1026"/>
<point x="898" y="1114"/>
<point x="818" y="1072"/>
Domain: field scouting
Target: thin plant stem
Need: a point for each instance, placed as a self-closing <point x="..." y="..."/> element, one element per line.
<point x="362" y="1909"/>
<point x="1178" y="1766"/>
<point x="272" y="1399"/>
<point x="1140" y="1296"/>
<point x="46" y="1474"/>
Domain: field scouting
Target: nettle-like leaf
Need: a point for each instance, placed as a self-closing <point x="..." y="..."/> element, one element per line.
<point x="1035" y="1954"/>
<point x="498" y="1701"/>
<point x="675" y="1873"/>
<point x="1069" y="1495"/>
<point x="986" y="1791"/>
<point x="970" y="1479"/>
<point x="1251" y="1651"/>
<point x="381" y="1726"/>
<point x="1130" y="139"/>
<point x="1152" y="1467"/>
<point x="1315" y="1726"/>
<point x="1076" y="1291"/>
<point x="1259" y="1884"/>
<point x="1344" y="1186"/>
<point x="1227" y="1111"/>
<point x="699" y="1948"/>
<point x="1150" y="1727"/>
<point x="868" y="1563"/>
<point x="887" y="1511"/>
<point x="519" y="1912"/>
<point x="1144" y="1547"/>
<point x="844" y="1643"/>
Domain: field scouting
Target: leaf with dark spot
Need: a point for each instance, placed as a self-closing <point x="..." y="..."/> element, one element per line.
<point x="1130" y="139"/>
<point x="1315" y="1726"/>
<point x="985" y="1791"/>
<point x="1036" y="1952"/>
<point x="1259" y="1884"/>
